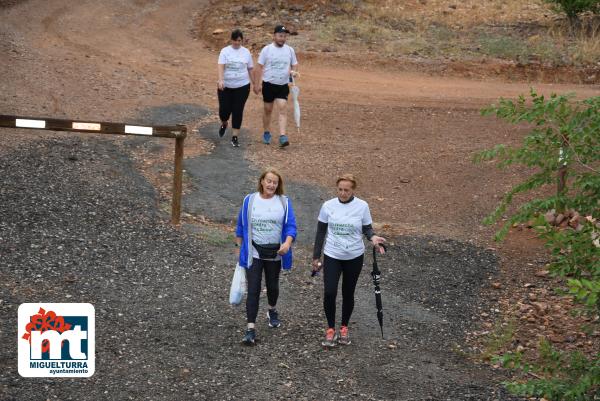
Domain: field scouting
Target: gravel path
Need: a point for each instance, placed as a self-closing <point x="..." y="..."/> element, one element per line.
<point x="222" y="178"/>
<point x="79" y="224"/>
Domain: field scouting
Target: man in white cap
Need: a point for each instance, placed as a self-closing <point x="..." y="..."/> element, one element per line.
<point x="276" y="62"/>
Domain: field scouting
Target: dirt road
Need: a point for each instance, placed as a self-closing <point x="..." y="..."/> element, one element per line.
<point x="408" y="137"/>
<point x="111" y="60"/>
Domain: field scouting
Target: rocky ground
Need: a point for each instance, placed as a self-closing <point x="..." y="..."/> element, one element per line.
<point x="83" y="218"/>
<point x="79" y="224"/>
<point x="509" y="39"/>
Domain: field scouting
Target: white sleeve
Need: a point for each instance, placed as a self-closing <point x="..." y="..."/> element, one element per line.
<point x="294" y="59"/>
<point x="250" y="61"/>
<point x="366" y="218"/>
<point x="262" y="57"/>
<point x="323" y="215"/>
<point x="222" y="58"/>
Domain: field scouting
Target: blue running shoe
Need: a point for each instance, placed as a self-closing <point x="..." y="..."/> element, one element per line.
<point x="273" y="317"/>
<point x="283" y="141"/>
<point x="266" y="137"/>
<point x="249" y="337"/>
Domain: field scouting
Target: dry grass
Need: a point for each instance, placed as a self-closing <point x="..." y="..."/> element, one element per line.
<point x="585" y="47"/>
<point x="464" y="13"/>
<point x="350" y="29"/>
<point x="537" y="47"/>
<point x="466" y="30"/>
<point x="509" y="29"/>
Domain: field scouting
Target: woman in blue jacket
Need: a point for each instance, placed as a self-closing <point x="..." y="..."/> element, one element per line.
<point x="266" y="228"/>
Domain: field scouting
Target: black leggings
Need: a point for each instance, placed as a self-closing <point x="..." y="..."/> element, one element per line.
<point x="231" y="103"/>
<point x="332" y="269"/>
<point x="254" y="277"/>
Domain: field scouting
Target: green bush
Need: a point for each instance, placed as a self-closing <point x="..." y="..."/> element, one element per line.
<point x="562" y="148"/>
<point x="560" y="376"/>
<point x="577" y="257"/>
<point x="564" y="141"/>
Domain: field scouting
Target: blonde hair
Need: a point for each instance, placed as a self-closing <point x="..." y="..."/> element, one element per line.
<point x="347" y="177"/>
<point x="272" y="170"/>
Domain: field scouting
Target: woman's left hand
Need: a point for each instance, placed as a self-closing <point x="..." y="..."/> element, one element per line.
<point x="377" y="240"/>
<point x="284" y="248"/>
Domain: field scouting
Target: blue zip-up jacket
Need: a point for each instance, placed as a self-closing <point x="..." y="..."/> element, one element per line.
<point x="244" y="230"/>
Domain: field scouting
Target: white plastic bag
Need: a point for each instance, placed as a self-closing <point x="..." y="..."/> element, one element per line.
<point x="238" y="285"/>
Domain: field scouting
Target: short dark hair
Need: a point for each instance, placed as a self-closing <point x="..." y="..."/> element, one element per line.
<point x="237" y="34"/>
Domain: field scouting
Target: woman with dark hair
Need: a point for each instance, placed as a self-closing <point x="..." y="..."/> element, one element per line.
<point x="266" y="228"/>
<point x="342" y="222"/>
<point x="235" y="76"/>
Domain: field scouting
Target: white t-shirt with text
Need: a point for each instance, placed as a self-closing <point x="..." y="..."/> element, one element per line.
<point x="344" y="240"/>
<point x="237" y="62"/>
<point x="277" y="62"/>
<point x="267" y="221"/>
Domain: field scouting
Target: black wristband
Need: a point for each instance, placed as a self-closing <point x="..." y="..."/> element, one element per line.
<point x="368" y="231"/>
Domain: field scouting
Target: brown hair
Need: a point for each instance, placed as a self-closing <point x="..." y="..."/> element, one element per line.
<point x="272" y="170"/>
<point x="347" y="177"/>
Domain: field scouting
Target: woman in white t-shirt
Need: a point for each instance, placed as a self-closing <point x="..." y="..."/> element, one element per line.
<point x="342" y="222"/>
<point x="266" y="228"/>
<point x="235" y="76"/>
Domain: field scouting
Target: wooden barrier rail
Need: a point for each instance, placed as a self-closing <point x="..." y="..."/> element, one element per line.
<point x="178" y="132"/>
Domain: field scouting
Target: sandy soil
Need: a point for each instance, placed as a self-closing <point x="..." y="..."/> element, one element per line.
<point x="408" y="137"/>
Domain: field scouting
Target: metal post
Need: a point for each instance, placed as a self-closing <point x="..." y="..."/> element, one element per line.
<point x="177" y="181"/>
<point x="562" y="175"/>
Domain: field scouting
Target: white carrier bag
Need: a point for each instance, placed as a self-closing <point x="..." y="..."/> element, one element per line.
<point x="238" y="285"/>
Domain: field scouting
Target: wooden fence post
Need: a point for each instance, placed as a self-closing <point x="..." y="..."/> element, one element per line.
<point x="178" y="179"/>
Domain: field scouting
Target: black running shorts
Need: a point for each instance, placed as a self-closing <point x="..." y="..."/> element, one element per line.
<point x="271" y="92"/>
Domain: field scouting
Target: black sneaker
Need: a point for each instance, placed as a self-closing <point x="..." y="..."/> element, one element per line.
<point x="273" y="318"/>
<point x="222" y="130"/>
<point x="249" y="337"/>
<point x="235" y="142"/>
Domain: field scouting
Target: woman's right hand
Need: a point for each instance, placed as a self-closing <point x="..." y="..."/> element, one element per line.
<point x="377" y="241"/>
<point x="220" y="85"/>
<point x="316" y="265"/>
<point x="238" y="244"/>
